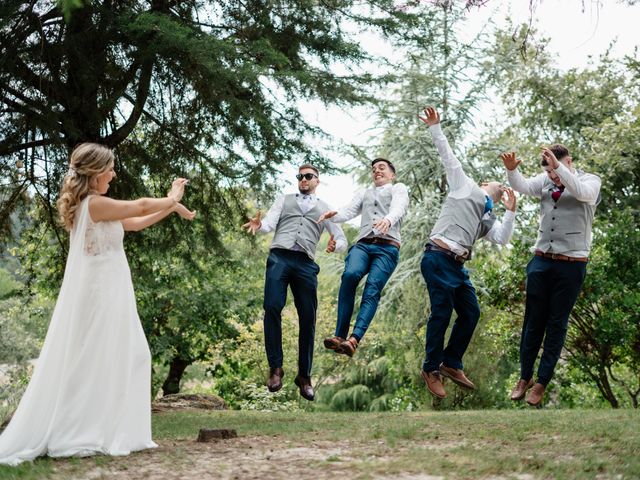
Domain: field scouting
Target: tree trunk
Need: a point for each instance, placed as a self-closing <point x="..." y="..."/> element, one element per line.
<point x="176" y="369"/>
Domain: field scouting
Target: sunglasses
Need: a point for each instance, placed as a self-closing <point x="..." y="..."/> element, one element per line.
<point x="306" y="176"/>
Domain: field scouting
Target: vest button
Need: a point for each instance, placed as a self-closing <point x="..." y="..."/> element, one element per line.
<point x="375" y="203"/>
<point x="549" y="240"/>
<point x="552" y="229"/>
<point x="555" y="208"/>
<point x="553" y="218"/>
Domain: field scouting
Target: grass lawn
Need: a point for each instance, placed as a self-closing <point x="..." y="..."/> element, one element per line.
<point x="509" y="444"/>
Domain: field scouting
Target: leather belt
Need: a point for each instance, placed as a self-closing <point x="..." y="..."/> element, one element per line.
<point x="383" y="241"/>
<point x="557" y="256"/>
<point x="436" y="248"/>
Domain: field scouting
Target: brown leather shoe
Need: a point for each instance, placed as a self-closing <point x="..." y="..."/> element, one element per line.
<point x="520" y="389"/>
<point x="348" y="347"/>
<point x="434" y="383"/>
<point x="304" y="384"/>
<point x="274" y="383"/>
<point x="457" y="376"/>
<point x="333" y="343"/>
<point x="536" y="395"/>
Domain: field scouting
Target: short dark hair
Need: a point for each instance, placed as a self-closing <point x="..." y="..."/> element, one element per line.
<point x="559" y="150"/>
<point x="380" y="159"/>
<point x="308" y="165"/>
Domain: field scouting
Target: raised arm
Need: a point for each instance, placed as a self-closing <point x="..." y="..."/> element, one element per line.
<point x="500" y="232"/>
<point x="585" y="188"/>
<point x="135" y="224"/>
<point x="104" y="209"/>
<point x="456" y="178"/>
<point x="270" y="222"/>
<point x="532" y="186"/>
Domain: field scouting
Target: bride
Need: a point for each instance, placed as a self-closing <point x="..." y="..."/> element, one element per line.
<point x="91" y="389"/>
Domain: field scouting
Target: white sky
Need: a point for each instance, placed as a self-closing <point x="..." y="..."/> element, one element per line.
<point x="576" y="32"/>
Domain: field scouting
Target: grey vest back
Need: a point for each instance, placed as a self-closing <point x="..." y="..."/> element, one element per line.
<point x="375" y="208"/>
<point x="565" y="225"/>
<point x="461" y="219"/>
<point x="297" y="227"/>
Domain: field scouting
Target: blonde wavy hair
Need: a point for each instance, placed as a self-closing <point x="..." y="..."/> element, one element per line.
<point x="88" y="160"/>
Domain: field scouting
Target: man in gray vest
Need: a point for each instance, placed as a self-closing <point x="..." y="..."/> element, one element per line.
<point x="294" y="217"/>
<point x="568" y="200"/>
<point x="374" y="254"/>
<point x="466" y="216"/>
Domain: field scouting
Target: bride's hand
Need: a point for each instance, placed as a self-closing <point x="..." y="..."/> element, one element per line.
<point x="184" y="212"/>
<point x="177" y="188"/>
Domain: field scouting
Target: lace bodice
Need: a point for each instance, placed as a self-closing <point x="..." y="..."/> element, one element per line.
<point x="103" y="238"/>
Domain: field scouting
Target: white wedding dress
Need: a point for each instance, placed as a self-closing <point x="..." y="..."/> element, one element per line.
<point x="91" y="388"/>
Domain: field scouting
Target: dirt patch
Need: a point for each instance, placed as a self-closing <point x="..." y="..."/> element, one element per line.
<point x="246" y="458"/>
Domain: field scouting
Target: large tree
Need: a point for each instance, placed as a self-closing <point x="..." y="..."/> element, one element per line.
<point x="208" y="88"/>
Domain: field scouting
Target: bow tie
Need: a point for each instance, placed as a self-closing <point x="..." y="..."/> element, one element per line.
<point x="556" y="195"/>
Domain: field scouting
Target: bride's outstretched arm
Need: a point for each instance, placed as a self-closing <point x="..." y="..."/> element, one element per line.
<point x="103" y="209"/>
<point x="135" y="224"/>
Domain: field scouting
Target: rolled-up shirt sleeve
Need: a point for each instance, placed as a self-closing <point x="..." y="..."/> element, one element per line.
<point x="500" y="232"/>
<point x="399" y="203"/>
<point x="456" y="177"/>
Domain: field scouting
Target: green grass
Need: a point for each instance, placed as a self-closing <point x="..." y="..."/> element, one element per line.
<point x="559" y="444"/>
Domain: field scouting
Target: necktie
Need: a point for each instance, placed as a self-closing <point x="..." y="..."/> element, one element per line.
<point x="488" y="205"/>
<point x="556" y="195"/>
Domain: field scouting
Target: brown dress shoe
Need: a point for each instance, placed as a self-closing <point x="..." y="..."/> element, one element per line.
<point x="275" y="379"/>
<point x="520" y="389"/>
<point x="348" y="347"/>
<point x="434" y="383"/>
<point x="536" y="395"/>
<point x="333" y="343"/>
<point x="457" y="376"/>
<point x="304" y="384"/>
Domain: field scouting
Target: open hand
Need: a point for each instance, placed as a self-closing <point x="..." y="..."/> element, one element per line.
<point x="509" y="199"/>
<point x="383" y="225"/>
<point x="177" y="188"/>
<point x="326" y="216"/>
<point x="432" y="117"/>
<point x="184" y="212"/>
<point x="331" y="245"/>
<point x="254" y="224"/>
<point x="510" y="161"/>
<point x="550" y="158"/>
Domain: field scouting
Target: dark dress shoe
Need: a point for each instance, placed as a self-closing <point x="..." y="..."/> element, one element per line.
<point x="520" y="389"/>
<point x="275" y="379"/>
<point x="304" y="384"/>
<point x="333" y="343"/>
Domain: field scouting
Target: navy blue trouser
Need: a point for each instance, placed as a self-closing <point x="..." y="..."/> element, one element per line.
<point x="378" y="261"/>
<point x="449" y="289"/>
<point x="289" y="268"/>
<point x="553" y="287"/>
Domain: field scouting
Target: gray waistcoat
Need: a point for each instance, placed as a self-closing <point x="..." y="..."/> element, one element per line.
<point x="461" y="219"/>
<point x="296" y="227"/>
<point x="565" y="225"/>
<point x="374" y="209"/>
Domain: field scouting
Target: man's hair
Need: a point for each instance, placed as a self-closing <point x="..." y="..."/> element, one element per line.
<point x="308" y="165"/>
<point x="559" y="150"/>
<point x="380" y="159"/>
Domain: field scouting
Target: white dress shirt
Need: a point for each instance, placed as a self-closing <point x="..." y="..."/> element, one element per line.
<point x="460" y="186"/>
<point x="397" y="209"/>
<point x="306" y="203"/>
<point x="585" y="187"/>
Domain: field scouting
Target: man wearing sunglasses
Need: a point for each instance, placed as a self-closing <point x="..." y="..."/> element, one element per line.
<point x="568" y="201"/>
<point x="466" y="216"/>
<point x="294" y="217"/>
<point x="374" y="254"/>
